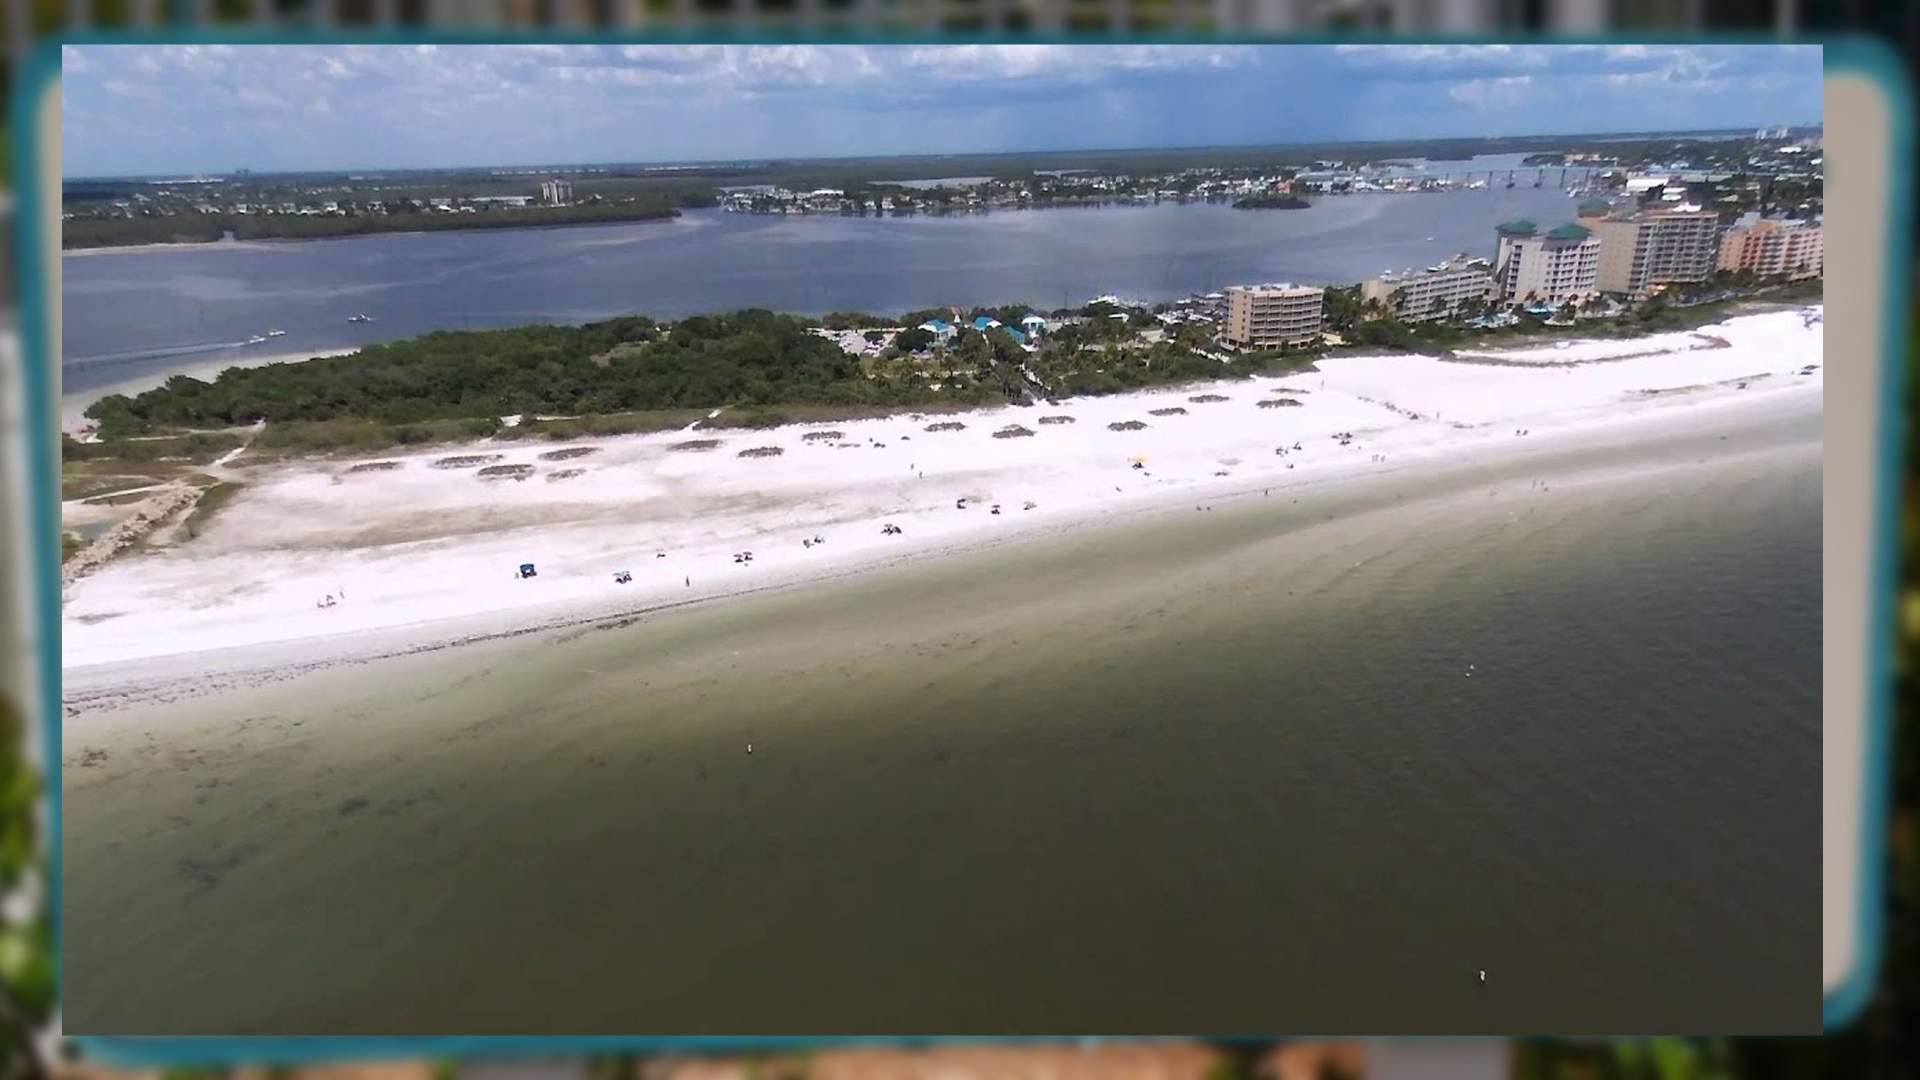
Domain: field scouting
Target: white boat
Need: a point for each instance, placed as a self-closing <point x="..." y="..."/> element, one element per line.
<point x="255" y="339"/>
<point x="276" y="333"/>
<point x="359" y="318"/>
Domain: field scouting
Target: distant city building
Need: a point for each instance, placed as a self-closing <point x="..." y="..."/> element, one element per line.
<point x="1269" y="316"/>
<point x="1666" y="246"/>
<point x="1774" y="246"/>
<point x="1420" y="295"/>
<point x="1554" y="267"/>
<point x="556" y="192"/>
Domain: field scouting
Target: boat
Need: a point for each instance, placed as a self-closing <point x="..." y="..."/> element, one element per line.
<point x="359" y="318"/>
<point x="255" y="339"/>
<point x="276" y="333"/>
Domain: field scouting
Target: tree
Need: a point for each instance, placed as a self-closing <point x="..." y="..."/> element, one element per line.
<point x="1389" y="332"/>
<point x="1344" y="307"/>
<point x="974" y="352"/>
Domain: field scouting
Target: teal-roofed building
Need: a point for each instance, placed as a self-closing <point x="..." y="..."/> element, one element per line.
<point x="1553" y="268"/>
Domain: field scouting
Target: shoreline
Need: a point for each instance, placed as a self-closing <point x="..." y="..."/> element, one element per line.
<point x="279" y="241"/>
<point x="73" y="404"/>
<point x="424" y="554"/>
<point x="1629" y="453"/>
<point x="158" y="245"/>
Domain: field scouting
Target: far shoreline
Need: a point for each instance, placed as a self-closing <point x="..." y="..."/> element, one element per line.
<point x="226" y="243"/>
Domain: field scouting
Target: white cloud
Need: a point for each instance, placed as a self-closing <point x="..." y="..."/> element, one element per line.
<point x="1504" y="92"/>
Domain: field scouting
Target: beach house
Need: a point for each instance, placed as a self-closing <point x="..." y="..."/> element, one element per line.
<point x="984" y="323"/>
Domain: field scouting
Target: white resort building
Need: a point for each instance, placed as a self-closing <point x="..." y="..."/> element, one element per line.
<point x="1421" y="295"/>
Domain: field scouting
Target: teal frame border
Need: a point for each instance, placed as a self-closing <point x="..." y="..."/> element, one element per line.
<point x="1877" y="62"/>
<point x="1852" y="53"/>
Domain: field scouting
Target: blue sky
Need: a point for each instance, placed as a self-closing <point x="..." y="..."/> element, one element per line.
<point x="132" y="109"/>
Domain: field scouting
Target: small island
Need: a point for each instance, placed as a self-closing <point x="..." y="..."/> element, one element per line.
<point x="1271" y="202"/>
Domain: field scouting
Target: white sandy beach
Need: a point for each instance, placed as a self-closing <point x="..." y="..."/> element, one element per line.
<point x="423" y="553"/>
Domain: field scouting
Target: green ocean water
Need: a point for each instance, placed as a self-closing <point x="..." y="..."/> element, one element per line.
<point x="1274" y="767"/>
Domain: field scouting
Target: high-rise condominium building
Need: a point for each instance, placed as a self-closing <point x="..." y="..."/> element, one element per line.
<point x="1665" y="246"/>
<point x="1774" y="246"/>
<point x="1269" y="316"/>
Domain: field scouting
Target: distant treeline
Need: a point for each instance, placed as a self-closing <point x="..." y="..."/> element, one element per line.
<point x="621" y="365"/>
<point x="112" y="232"/>
<point x="845" y="173"/>
<point x="206" y="228"/>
